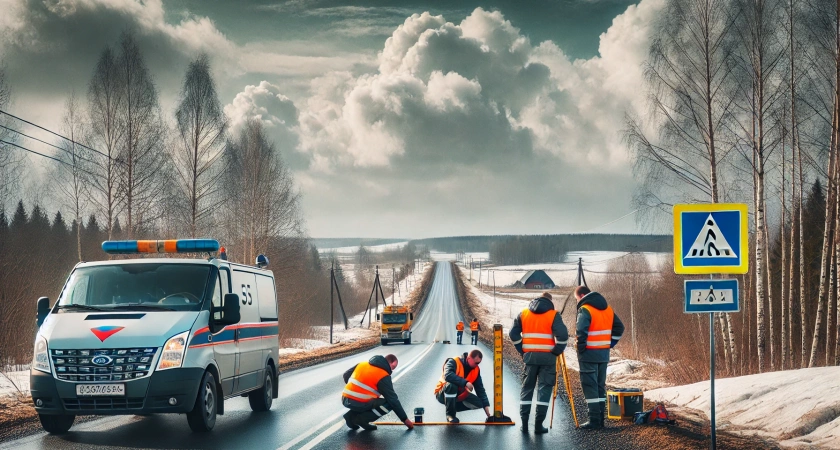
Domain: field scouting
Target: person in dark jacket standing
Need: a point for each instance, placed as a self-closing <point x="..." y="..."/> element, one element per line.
<point x="461" y="377"/>
<point x="540" y="336"/>
<point x="598" y="330"/>
<point x="369" y="393"/>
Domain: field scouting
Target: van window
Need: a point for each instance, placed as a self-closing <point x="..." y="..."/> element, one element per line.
<point x="164" y="286"/>
<point x="267" y="297"/>
<point x="217" y="299"/>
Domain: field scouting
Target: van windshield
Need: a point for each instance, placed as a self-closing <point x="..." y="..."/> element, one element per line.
<point x="152" y="286"/>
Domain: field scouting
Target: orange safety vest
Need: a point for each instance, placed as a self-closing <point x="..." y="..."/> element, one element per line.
<point x="460" y="326"/>
<point x="362" y="384"/>
<point x="459" y="370"/>
<point x="600" y="328"/>
<point x="536" y="331"/>
<point x="474" y="325"/>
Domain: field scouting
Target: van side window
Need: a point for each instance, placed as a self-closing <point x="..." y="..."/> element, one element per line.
<point x="267" y="297"/>
<point x="217" y="298"/>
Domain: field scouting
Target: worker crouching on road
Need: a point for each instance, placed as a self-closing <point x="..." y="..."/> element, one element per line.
<point x="598" y="330"/>
<point x="461" y="377"/>
<point x="459" y="331"/>
<point x="475" y="327"/>
<point x="540" y="336"/>
<point x="370" y="394"/>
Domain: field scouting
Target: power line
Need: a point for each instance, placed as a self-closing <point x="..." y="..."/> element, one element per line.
<point x="47" y="143"/>
<point x="62" y="137"/>
<point x="47" y="156"/>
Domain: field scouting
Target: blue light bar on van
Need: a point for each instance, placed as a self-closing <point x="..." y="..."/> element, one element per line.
<point x="165" y="246"/>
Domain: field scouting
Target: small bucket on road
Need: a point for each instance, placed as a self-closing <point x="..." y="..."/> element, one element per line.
<point x="418" y="415"/>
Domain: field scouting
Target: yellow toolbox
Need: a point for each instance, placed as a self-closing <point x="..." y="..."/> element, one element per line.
<point x="623" y="403"/>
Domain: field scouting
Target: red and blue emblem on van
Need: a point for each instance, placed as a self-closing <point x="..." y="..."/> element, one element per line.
<point x="105" y="332"/>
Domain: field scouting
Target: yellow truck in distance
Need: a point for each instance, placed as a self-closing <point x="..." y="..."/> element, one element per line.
<point x="395" y="324"/>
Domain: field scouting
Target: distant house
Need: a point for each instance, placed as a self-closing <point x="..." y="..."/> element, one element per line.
<point x="535" y="279"/>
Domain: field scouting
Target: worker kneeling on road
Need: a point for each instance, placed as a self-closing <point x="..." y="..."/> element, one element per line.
<point x="459" y="329"/>
<point x="370" y="394"/>
<point x="461" y="377"/>
<point x="540" y="336"/>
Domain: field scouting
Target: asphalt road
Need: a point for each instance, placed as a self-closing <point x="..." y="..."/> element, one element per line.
<point x="308" y="413"/>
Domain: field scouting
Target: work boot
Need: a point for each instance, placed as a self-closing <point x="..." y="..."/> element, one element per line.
<point x="524" y="426"/>
<point x="452" y="419"/>
<point x="593" y="424"/>
<point x="368" y="426"/>
<point x="602" y="420"/>
<point x="538" y="425"/>
<point x="349" y="421"/>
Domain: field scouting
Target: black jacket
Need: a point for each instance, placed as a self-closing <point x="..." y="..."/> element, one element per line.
<point x="450" y="375"/>
<point x="385" y="386"/>
<point x="541" y="305"/>
<point x="598" y="302"/>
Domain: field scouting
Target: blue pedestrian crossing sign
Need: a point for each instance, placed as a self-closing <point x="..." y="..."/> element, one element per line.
<point x="710" y="238"/>
<point x="705" y="296"/>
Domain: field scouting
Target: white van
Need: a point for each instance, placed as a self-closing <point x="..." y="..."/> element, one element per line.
<point x="146" y="336"/>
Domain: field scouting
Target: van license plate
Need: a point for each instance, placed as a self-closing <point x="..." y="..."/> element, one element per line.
<point x="100" y="389"/>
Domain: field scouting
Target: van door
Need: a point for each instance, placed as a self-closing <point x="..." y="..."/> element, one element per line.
<point x="248" y="336"/>
<point x="226" y="347"/>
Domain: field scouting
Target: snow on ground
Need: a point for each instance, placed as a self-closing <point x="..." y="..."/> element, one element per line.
<point x="12" y="382"/>
<point x="372" y="248"/>
<point x="620" y="372"/>
<point x="563" y="273"/>
<point x="799" y="408"/>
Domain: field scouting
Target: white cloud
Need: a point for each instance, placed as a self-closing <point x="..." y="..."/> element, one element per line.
<point x="265" y="103"/>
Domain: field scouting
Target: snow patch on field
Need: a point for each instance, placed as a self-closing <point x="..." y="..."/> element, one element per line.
<point x="799" y="408"/>
<point x="562" y="273"/>
<point x="372" y="248"/>
<point x="14" y="382"/>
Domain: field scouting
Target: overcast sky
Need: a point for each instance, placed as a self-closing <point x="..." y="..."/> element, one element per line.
<point x="398" y="119"/>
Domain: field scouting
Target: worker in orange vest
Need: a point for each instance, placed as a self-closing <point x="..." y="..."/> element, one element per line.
<point x="475" y="327"/>
<point x="598" y="330"/>
<point x="369" y="393"/>
<point x="459" y="328"/>
<point x="460" y="387"/>
<point x="540" y="336"/>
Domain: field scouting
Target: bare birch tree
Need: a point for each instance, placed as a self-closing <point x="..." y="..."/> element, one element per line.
<point x="73" y="179"/>
<point x="142" y="147"/>
<point x="266" y="209"/>
<point x="106" y="132"/>
<point x="11" y="161"/>
<point x="201" y="128"/>
<point x="686" y="73"/>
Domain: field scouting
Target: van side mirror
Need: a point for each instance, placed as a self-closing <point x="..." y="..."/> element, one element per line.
<point x="43" y="310"/>
<point x="410" y="316"/>
<point x="230" y="310"/>
<point x="377" y="317"/>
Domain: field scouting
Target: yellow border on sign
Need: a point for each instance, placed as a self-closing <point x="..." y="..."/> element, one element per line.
<point x="711" y="207"/>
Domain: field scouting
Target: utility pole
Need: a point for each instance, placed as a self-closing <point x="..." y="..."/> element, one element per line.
<point x="393" y="277"/>
<point x="494" y="293"/>
<point x="471" y="267"/>
<point x="332" y="307"/>
<point x="479" y="273"/>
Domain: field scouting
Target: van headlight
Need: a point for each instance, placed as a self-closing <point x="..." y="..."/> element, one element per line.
<point x="41" y="357"/>
<point x="172" y="355"/>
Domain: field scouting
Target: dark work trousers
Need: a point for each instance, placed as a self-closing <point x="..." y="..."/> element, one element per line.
<point x="475" y="338"/>
<point x="449" y="398"/>
<point x="541" y="377"/>
<point x="460" y="336"/>
<point x="593" y="380"/>
<point x="365" y="412"/>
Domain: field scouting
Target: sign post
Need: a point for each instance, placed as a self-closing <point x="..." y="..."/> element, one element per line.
<point x="709" y="239"/>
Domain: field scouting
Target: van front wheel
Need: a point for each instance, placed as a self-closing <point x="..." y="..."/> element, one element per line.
<point x="56" y="424"/>
<point x="202" y="418"/>
<point x="260" y="399"/>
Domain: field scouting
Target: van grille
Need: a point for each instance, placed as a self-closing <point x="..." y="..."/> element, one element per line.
<point x="102" y="403"/>
<point x="103" y="364"/>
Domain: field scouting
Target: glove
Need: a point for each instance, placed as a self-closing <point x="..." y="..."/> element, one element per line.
<point x="409" y="424"/>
